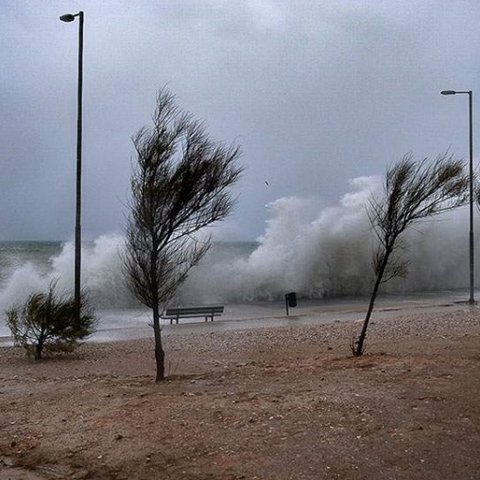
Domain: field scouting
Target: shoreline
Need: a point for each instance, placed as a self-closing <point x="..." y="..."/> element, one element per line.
<point x="387" y="327"/>
<point x="269" y="314"/>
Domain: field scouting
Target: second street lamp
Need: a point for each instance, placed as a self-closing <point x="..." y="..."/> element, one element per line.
<point x="78" y="236"/>
<point x="471" y="245"/>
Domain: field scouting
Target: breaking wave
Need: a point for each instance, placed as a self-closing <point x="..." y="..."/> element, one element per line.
<point x="315" y="251"/>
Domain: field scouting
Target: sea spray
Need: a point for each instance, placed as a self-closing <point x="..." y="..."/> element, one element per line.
<point x="325" y="256"/>
<point x="330" y="254"/>
<point x="101" y="275"/>
<point x="317" y="252"/>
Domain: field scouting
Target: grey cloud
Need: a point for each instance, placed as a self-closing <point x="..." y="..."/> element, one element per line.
<point x="315" y="92"/>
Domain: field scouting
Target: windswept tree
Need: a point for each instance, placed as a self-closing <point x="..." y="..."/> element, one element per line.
<point x="180" y="184"/>
<point x="48" y="323"/>
<point x="413" y="191"/>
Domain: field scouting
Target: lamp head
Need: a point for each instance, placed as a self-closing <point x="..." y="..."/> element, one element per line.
<point x="68" y="17"/>
<point x="448" y="92"/>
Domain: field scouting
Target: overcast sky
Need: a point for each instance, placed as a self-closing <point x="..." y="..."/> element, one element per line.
<point x="315" y="92"/>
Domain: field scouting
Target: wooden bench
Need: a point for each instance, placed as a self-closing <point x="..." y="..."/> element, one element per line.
<point x="208" y="312"/>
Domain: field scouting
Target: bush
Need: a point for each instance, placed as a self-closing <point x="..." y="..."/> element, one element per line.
<point x="47" y="323"/>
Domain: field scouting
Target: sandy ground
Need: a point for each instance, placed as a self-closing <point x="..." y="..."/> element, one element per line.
<point x="268" y="403"/>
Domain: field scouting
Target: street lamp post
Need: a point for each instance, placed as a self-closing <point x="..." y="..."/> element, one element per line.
<point x="470" y="111"/>
<point x="78" y="235"/>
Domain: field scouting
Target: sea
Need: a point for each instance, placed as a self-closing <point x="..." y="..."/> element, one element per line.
<point x="31" y="266"/>
<point x="319" y="252"/>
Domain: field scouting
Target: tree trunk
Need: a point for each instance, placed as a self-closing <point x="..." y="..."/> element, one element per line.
<point x="38" y="350"/>
<point x="159" y="353"/>
<point x="363" y="334"/>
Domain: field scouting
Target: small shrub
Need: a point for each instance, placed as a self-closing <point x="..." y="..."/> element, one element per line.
<point x="47" y="323"/>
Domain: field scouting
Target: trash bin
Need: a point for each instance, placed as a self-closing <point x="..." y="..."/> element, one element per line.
<point x="292" y="299"/>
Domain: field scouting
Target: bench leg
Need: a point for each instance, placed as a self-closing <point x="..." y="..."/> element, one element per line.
<point x="171" y="321"/>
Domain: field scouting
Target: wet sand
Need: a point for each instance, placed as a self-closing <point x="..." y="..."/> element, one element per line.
<point x="128" y="325"/>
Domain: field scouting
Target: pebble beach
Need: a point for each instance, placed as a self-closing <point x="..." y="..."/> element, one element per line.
<point x="251" y="403"/>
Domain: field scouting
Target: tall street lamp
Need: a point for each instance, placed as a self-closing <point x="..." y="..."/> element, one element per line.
<point x="78" y="236"/>
<point x="470" y="109"/>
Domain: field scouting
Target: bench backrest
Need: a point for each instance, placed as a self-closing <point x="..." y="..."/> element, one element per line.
<point x="204" y="310"/>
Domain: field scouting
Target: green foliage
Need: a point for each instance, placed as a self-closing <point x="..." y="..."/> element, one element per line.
<point x="47" y="323"/>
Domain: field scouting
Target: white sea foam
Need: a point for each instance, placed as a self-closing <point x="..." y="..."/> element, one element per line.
<point x="101" y="275"/>
<point x="314" y="251"/>
<point x="331" y="253"/>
